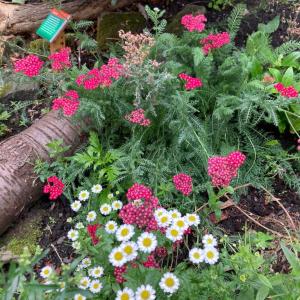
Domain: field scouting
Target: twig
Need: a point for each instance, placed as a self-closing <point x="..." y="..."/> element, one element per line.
<point x="201" y="207"/>
<point x="55" y="250"/>
<point x="281" y="205"/>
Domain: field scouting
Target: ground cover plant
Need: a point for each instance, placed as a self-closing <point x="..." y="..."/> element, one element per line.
<point x="177" y="129"/>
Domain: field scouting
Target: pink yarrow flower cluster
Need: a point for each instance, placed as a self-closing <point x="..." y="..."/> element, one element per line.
<point x="222" y="169"/>
<point x="215" y="41"/>
<point x="92" y="230"/>
<point x="69" y="103"/>
<point x="29" y="65"/>
<point x="54" y="187"/>
<point x="183" y="183"/>
<point x="289" y="92"/>
<point x="138" y="117"/>
<point x="101" y="77"/>
<point x="194" y="23"/>
<point x="61" y="59"/>
<point x="140" y="209"/>
<point x="191" y="82"/>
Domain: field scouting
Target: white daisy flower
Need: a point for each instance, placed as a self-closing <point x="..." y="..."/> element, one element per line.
<point x="125" y="232"/>
<point x="95" y="286"/>
<point x="73" y="235"/>
<point x="116" y="205"/>
<point x="169" y="283"/>
<point x="174" y="233"/>
<point x="75" y="206"/>
<point x="181" y="223"/>
<point x="192" y="219"/>
<point x="164" y="220"/>
<point x="97" y="188"/>
<point x="86" y="262"/>
<point x="76" y="245"/>
<point x="83" y="195"/>
<point x="145" y="292"/>
<point x="96" y="272"/>
<point x="117" y="192"/>
<point x="46" y="272"/>
<point x="105" y="209"/>
<point x="211" y="255"/>
<point x="175" y="214"/>
<point x="110" y="196"/>
<point x="196" y="255"/>
<point x="117" y="257"/>
<point x="62" y="285"/>
<point x="130" y="250"/>
<point x="69" y="220"/>
<point x="79" y="225"/>
<point x="158" y="212"/>
<point x="91" y="216"/>
<point x="79" y="297"/>
<point x="125" y="294"/>
<point x="84" y="283"/>
<point x="147" y="242"/>
<point x="111" y="227"/>
<point x="209" y="240"/>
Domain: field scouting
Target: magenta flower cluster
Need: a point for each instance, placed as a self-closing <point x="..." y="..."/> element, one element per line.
<point x="215" y="41"/>
<point x="54" y="187"/>
<point x="191" y="82"/>
<point x="194" y="23"/>
<point x="138" y="117"/>
<point x="61" y="59"/>
<point x="222" y="169"/>
<point x="69" y="103"/>
<point x="29" y="65"/>
<point x="101" y="77"/>
<point x="289" y="92"/>
<point x="183" y="183"/>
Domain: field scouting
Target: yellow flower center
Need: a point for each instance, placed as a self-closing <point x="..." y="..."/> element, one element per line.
<point x="96" y="285"/>
<point x="80" y="297"/>
<point x="209" y="241"/>
<point x="46" y="272"/>
<point x="128" y="249"/>
<point x="196" y="255"/>
<point x="180" y="223"/>
<point x="210" y="254"/>
<point x="159" y="213"/>
<point x="174" y="215"/>
<point x="125" y="296"/>
<point x="169" y="282"/>
<point x="124" y="231"/>
<point x="83" y="195"/>
<point x="192" y="218"/>
<point x="174" y="232"/>
<point x="111" y="226"/>
<point x="147" y="242"/>
<point x="118" y="256"/>
<point x="145" y="295"/>
<point x="164" y="219"/>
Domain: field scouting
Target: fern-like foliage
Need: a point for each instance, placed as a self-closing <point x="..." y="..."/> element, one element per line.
<point x="287" y="47"/>
<point x="235" y="19"/>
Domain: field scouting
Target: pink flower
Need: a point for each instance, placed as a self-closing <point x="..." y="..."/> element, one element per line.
<point x="191" y="82"/>
<point x="60" y="59"/>
<point x="54" y="187"/>
<point x="138" y="117"/>
<point x="118" y="273"/>
<point x="69" y="103"/>
<point x="183" y="183"/>
<point x="151" y="262"/>
<point x="101" y="77"/>
<point x="29" y="65"/>
<point x="92" y="229"/>
<point x="214" y="41"/>
<point x="289" y="92"/>
<point x="194" y="23"/>
<point x="222" y="169"/>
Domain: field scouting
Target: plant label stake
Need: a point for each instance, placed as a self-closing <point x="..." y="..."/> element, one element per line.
<point x="52" y="29"/>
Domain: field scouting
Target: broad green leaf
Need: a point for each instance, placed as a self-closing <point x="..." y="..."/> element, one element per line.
<point x="262" y="293"/>
<point x="265" y="281"/>
<point x="291" y="60"/>
<point x="272" y="143"/>
<point x="271" y="26"/>
<point x="276" y="74"/>
<point x="198" y="56"/>
<point x="288" y="77"/>
<point x="292" y="258"/>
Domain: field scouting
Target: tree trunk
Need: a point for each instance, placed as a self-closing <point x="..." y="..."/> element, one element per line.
<point x="18" y="19"/>
<point x="18" y="183"/>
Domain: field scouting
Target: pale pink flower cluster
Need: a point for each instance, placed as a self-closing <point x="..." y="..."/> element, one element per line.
<point x="138" y="117"/>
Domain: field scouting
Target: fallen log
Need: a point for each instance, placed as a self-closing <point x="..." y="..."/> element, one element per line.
<point x="19" y="186"/>
<point x="26" y="18"/>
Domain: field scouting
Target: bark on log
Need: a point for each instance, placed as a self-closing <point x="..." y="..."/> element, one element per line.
<point x="18" y="184"/>
<point x="18" y="19"/>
